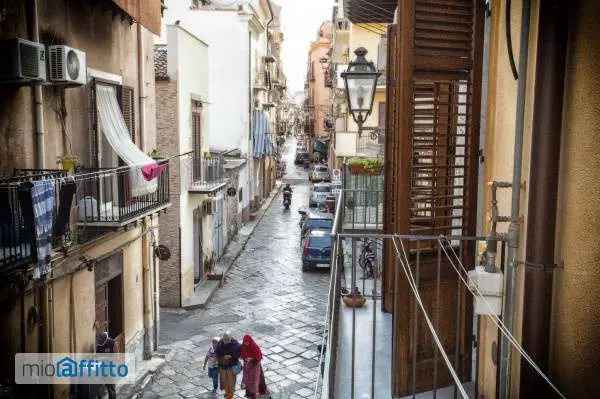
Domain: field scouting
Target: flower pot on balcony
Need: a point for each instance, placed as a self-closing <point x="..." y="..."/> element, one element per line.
<point x="354" y="301"/>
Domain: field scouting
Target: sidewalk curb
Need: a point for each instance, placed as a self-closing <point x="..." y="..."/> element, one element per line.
<point x="241" y="245"/>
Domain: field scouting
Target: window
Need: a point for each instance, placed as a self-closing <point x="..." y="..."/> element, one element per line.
<point x="127" y="103"/>
<point x="197" y="140"/>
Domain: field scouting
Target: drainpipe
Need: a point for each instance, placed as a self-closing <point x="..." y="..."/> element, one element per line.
<point x="38" y="98"/>
<point x="541" y="221"/>
<point x="269" y="23"/>
<point x="141" y="88"/>
<point x="146" y="292"/>
<point x="513" y="230"/>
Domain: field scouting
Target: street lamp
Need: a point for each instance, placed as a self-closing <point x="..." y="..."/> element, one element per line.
<point x="360" y="80"/>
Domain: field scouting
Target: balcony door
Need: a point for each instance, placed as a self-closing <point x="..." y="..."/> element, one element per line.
<point x="198" y="250"/>
<point x="196" y="141"/>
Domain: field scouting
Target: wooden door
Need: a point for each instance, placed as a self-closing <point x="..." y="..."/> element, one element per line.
<point x="437" y="56"/>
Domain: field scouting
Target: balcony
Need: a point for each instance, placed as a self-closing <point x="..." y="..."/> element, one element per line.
<point x="365" y="353"/>
<point x="17" y="242"/>
<point x="207" y="173"/>
<point x="363" y="202"/>
<point x="105" y="196"/>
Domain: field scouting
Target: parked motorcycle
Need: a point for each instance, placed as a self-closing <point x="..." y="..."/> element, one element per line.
<point x="366" y="259"/>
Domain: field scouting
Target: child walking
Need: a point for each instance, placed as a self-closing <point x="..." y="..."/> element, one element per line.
<point x="213" y="365"/>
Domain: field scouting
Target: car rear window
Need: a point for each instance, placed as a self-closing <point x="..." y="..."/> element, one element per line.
<point x="320" y="241"/>
<point x="322" y="189"/>
<point x="319" y="223"/>
<point x="321" y="168"/>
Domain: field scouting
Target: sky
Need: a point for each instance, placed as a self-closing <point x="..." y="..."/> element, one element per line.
<point x="300" y="21"/>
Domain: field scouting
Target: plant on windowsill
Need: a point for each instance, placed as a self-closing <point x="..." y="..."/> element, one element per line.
<point x="68" y="163"/>
<point x="365" y="166"/>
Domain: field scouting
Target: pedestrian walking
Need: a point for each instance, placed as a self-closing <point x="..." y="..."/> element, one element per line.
<point x="253" y="377"/>
<point x="228" y="356"/>
<point x="211" y="361"/>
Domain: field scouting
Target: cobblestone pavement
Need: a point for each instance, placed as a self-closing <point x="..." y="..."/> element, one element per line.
<point x="265" y="295"/>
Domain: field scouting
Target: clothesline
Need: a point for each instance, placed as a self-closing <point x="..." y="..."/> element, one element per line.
<point x="80" y="176"/>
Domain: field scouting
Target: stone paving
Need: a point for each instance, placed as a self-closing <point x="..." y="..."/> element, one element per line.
<point x="266" y="295"/>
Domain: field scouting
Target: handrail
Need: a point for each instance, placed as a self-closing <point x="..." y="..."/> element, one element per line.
<point x="338" y="214"/>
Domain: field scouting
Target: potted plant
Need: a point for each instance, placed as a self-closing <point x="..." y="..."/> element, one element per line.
<point x="355" y="299"/>
<point x="68" y="163"/>
<point x="209" y="264"/>
<point x="365" y="166"/>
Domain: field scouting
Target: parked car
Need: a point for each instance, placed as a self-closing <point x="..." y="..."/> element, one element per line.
<point x="315" y="221"/>
<point x="301" y="157"/>
<point x="319" y="193"/>
<point x="336" y="187"/>
<point x="316" y="250"/>
<point x="320" y="173"/>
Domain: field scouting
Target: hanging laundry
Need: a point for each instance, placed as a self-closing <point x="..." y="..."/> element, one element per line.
<point x="66" y="193"/>
<point x="152" y="171"/>
<point x="42" y="200"/>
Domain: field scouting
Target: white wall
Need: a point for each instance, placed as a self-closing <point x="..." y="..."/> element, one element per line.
<point x="188" y="65"/>
<point x="231" y="70"/>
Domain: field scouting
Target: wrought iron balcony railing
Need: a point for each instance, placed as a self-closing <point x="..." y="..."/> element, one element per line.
<point x="17" y="242"/>
<point x="208" y="173"/>
<point x="105" y="196"/>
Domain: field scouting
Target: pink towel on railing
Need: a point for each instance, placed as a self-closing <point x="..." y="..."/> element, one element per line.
<point x="152" y="171"/>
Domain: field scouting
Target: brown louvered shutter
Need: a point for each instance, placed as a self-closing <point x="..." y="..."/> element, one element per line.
<point x="93" y="125"/>
<point x="438" y="56"/>
<point x="127" y="102"/>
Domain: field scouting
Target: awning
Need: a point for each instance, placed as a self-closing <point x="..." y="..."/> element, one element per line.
<point x="146" y="12"/>
<point x="370" y="11"/>
<point x="262" y="144"/>
<point x="116" y="133"/>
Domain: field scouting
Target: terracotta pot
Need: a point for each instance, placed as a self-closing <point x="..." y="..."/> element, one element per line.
<point x="354" y="301"/>
<point x="357" y="169"/>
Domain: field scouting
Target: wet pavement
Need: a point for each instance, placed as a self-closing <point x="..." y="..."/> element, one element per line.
<point x="266" y="295"/>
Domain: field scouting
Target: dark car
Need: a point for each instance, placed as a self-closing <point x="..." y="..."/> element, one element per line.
<point x="316" y="221"/>
<point x="317" y="250"/>
<point x="301" y="157"/>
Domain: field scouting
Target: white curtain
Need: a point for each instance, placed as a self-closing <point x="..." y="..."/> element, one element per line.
<point x="114" y="129"/>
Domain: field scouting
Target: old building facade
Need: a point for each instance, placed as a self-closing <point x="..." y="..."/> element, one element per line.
<point x="101" y="272"/>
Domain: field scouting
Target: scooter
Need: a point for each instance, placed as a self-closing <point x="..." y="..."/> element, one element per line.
<point x="287" y="199"/>
<point x="366" y="260"/>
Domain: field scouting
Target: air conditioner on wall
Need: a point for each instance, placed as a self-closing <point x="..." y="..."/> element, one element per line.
<point x="67" y="65"/>
<point x="22" y="61"/>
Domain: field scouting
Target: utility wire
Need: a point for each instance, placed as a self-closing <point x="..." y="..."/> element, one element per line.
<point x="497" y="321"/>
<point x="413" y="286"/>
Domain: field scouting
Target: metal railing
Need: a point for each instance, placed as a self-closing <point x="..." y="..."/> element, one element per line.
<point x="430" y="262"/>
<point x="106" y="197"/>
<point x="207" y="171"/>
<point x="363" y="201"/>
<point x="371" y="143"/>
<point x="17" y="239"/>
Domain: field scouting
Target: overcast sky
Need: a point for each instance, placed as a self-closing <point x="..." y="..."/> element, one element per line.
<point x="300" y="21"/>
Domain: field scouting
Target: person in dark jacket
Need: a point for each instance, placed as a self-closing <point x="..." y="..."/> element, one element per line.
<point x="228" y="355"/>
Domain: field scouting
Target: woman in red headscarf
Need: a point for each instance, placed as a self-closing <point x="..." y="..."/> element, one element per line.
<point x="253" y="378"/>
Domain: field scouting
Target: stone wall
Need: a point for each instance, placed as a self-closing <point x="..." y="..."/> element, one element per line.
<point x="168" y="143"/>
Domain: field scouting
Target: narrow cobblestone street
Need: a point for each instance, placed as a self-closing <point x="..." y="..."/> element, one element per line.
<point x="266" y="295"/>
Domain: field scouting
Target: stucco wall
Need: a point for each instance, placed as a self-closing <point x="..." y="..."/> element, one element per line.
<point x="575" y="359"/>
<point x="110" y="45"/>
<point x="498" y="166"/>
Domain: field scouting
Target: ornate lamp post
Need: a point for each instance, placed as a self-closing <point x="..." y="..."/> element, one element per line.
<point x="360" y="81"/>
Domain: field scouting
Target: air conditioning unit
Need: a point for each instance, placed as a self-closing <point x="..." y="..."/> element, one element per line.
<point x="23" y="61"/>
<point x="67" y="65"/>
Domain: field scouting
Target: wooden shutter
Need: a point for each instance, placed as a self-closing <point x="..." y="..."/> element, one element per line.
<point x="433" y="156"/>
<point x="127" y="103"/>
<point x="93" y="125"/>
<point x="197" y="140"/>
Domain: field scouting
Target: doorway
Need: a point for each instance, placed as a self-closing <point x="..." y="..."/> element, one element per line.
<point x="108" y="274"/>
<point x="198" y="250"/>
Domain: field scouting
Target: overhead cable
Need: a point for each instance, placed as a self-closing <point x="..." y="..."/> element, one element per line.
<point x="413" y="286"/>
<point x="497" y="321"/>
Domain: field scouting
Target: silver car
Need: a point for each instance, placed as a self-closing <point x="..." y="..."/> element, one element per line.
<point x="320" y="173"/>
<point x="319" y="194"/>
